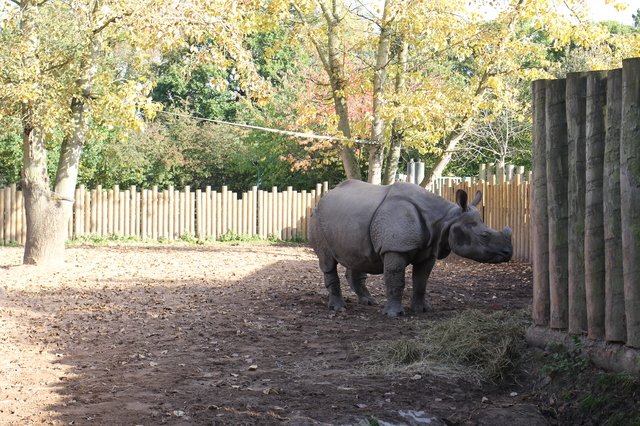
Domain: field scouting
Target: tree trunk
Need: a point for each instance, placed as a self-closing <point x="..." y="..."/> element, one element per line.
<point x="397" y="134"/>
<point x="331" y="62"/>
<point x="376" y="152"/>
<point x="48" y="212"/>
<point x="452" y="141"/>
<point x="333" y="67"/>
<point x="45" y="213"/>
<point x="393" y="156"/>
<point x="46" y="229"/>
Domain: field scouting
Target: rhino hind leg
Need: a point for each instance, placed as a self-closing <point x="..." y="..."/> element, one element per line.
<point x="329" y="267"/>
<point x="357" y="282"/>
<point x="421" y="272"/>
<point x="394" y="267"/>
<point x="332" y="282"/>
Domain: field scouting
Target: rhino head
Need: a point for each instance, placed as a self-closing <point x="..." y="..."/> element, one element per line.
<point x="469" y="237"/>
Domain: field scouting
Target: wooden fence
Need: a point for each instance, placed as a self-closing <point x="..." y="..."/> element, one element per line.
<point x="171" y="214"/>
<point x="586" y="199"/>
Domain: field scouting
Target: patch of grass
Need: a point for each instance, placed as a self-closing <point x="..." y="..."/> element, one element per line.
<point x="298" y="238"/>
<point x="95" y="239"/>
<point x="187" y="238"/>
<point x="567" y="360"/>
<point x="472" y="345"/>
<point x="9" y="243"/>
<point x="230" y="236"/>
<point x="590" y="403"/>
<point x="596" y="397"/>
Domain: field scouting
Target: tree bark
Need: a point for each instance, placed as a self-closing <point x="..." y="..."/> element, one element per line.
<point x="333" y="67"/>
<point x="397" y="135"/>
<point x="45" y="212"/>
<point x="451" y="142"/>
<point x="453" y="139"/>
<point x="376" y="151"/>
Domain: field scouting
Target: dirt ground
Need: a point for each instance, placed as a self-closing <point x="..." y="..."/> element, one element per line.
<point x="229" y="334"/>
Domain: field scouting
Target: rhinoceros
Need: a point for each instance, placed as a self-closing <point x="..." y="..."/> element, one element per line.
<point x="375" y="229"/>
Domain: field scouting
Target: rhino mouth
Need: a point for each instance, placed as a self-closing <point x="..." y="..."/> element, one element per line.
<point x="501" y="256"/>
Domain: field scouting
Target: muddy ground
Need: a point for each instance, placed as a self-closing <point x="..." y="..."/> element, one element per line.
<point x="229" y="334"/>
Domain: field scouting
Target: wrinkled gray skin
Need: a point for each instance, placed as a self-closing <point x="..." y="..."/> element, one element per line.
<point x="379" y="229"/>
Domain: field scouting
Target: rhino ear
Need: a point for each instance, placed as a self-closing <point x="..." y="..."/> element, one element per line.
<point x="461" y="199"/>
<point x="477" y="198"/>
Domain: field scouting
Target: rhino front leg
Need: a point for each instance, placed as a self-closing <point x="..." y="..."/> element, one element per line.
<point x="421" y="272"/>
<point x="394" y="266"/>
<point x="357" y="281"/>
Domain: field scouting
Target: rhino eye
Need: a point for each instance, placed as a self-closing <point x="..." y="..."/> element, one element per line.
<point x="471" y="225"/>
<point x="485" y="235"/>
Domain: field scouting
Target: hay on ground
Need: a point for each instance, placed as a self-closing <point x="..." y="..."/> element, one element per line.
<point x="472" y="345"/>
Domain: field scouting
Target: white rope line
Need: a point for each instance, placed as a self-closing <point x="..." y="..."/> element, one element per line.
<point x="266" y="129"/>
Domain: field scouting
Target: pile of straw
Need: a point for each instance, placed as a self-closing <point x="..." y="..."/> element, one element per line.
<point x="472" y="345"/>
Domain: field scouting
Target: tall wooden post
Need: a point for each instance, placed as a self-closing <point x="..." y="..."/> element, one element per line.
<point x="557" y="201"/>
<point x="615" y="328"/>
<point x="630" y="195"/>
<point x="594" y="221"/>
<point x="539" y="215"/>
<point x="576" y="130"/>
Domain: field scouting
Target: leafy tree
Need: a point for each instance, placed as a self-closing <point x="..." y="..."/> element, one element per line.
<point x="458" y="65"/>
<point x="67" y="64"/>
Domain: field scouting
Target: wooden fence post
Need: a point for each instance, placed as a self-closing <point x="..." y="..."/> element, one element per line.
<point x="199" y="232"/>
<point x="101" y="211"/>
<point x="594" y="221"/>
<point x="557" y="201"/>
<point x="208" y="211"/>
<point x="630" y="195"/>
<point x="78" y="212"/>
<point x="615" y="328"/>
<point x="110" y="208"/>
<point x="576" y="135"/>
<point x="2" y="225"/>
<point x="144" y="207"/>
<point x="154" y="212"/>
<point x="540" y="224"/>
<point x="21" y="224"/>
<point x="254" y="211"/>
